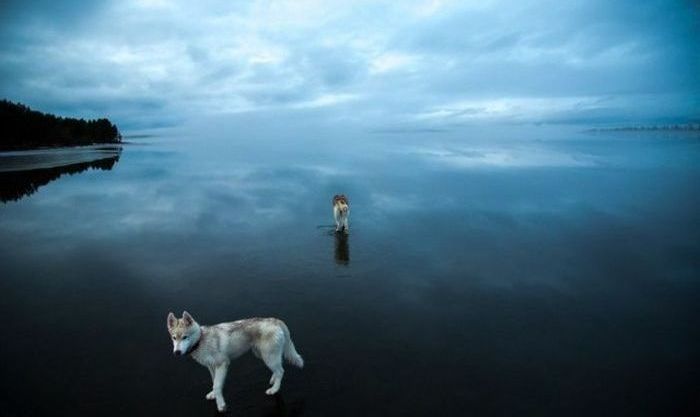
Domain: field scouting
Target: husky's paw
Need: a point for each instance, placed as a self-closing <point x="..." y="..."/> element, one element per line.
<point x="221" y="408"/>
<point x="272" y="391"/>
<point x="210" y="396"/>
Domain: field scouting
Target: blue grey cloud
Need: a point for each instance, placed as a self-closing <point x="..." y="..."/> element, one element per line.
<point x="427" y="64"/>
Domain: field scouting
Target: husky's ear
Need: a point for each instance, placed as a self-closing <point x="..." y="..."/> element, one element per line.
<point x="188" y="319"/>
<point x="171" y="320"/>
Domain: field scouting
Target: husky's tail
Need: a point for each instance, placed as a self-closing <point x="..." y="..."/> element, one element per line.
<point x="290" y="353"/>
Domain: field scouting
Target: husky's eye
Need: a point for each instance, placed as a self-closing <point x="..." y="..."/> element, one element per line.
<point x="174" y="338"/>
<point x="184" y="337"/>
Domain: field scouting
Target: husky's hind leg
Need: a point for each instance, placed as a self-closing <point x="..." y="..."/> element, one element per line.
<point x="275" y="366"/>
<point x="272" y="356"/>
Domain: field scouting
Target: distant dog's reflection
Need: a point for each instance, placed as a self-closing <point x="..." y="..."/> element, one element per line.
<point x="342" y="249"/>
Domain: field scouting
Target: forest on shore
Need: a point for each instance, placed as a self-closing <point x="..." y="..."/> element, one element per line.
<point x="24" y="128"/>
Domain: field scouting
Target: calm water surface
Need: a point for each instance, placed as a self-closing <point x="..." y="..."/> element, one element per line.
<point x="486" y="274"/>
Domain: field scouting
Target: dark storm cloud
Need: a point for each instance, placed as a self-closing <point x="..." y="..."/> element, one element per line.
<point x="424" y="63"/>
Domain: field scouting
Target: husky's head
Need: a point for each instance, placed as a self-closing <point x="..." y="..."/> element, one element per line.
<point x="185" y="333"/>
<point x="341" y="202"/>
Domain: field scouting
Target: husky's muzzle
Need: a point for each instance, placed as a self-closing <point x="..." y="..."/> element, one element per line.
<point x="188" y="349"/>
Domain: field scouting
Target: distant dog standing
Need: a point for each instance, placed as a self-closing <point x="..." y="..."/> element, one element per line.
<point x="215" y="346"/>
<point x="341" y="211"/>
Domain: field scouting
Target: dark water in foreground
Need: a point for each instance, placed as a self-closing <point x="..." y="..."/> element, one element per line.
<point x="554" y="275"/>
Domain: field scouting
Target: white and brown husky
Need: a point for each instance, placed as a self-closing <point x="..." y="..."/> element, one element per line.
<point x="215" y="346"/>
<point x="341" y="211"/>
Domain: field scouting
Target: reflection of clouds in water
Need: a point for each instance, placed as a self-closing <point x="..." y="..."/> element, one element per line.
<point x="323" y="170"/>
<point x="151" y="218"/>
<point x="394" y="202"/>
<point x="244" y="195"/>
<point x="136" y="202"/>
<point x="505" y="157"/>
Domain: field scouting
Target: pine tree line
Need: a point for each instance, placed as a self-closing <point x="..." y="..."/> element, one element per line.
<point x="24" y="128"/>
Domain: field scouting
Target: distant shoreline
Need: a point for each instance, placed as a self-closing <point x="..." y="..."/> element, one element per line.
<point x="26" y="129"/>
<point x="691" y="127"/>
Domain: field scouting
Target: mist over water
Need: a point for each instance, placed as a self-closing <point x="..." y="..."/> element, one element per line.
<point x="488" y="271"/>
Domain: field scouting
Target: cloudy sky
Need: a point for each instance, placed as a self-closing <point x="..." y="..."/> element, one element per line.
<point x="149" y="63"/>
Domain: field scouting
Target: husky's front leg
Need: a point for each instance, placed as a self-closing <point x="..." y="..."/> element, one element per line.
<point x="211" y="395"/>
<point x="219" y="378"/>
<point x="345" y="225"/>
<point x="337" y="225"/>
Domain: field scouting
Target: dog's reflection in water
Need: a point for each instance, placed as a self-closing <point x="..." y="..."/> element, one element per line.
<point x="342" y="249"/>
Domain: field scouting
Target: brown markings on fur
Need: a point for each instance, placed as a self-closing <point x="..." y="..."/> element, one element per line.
<point x="253" y="333"/>
<point x="250" y="328"/>
<point x="340" y="198"/>
<point x="178" y="329"/>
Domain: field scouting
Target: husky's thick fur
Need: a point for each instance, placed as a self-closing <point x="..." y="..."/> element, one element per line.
<point x="215" y="346"/>
<point x="341" y="211"/>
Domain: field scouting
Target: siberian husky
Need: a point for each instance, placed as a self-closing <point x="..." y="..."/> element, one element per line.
<point x="215" y="346"/>
<point x="341" y="210"/>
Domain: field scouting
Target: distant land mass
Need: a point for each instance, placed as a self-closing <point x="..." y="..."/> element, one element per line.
<point x="24" y="128"/>
<point x="690" y="127"/>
